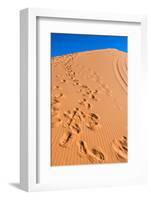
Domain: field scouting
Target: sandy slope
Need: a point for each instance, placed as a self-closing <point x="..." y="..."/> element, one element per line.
<point x="89" y="108"/>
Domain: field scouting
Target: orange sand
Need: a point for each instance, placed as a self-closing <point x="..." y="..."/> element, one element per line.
<point x="89" y="108"/>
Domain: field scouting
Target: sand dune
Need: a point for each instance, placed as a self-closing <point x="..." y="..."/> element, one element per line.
<point x="89" y="108"/>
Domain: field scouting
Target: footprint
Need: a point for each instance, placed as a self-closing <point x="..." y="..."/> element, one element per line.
<point x="97" y="156"/>
<point x="93" y="97"/>
<point x="67" y="114"/>
<point x="83" y="114"/>
<point x="82" y="147"/>
<point x="89" y="106"/>
<point x="63" y="81"/>
<point x="76" y="83"/>
<point x="55" y="101"/>
<point x="90" y="125"/>
<point x="58" y="96"/>
<point x="71" y="72"/>
<point x="85" y="103"/>
<point x="94" y="116"/>
<point x="120" y="148"/>
<point x="81" y="102"/>
<point x="94" y="155"/>
<point x="65" y="139"/>
<point x="84" y="86"/>
<point x="56" y="122"/>
<point x="92" y="121"/>
<point x="76" y="127"/>
<point x="55" y="109"/>
<point x="56" y="87"/>
<point x="95" y="92"/>
<point x="75" y="80"/>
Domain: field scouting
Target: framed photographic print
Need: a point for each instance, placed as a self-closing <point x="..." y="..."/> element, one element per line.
<point x="81" y="83"/>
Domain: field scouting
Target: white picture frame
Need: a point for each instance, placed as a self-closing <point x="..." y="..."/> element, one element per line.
<point x="29" y="148"/>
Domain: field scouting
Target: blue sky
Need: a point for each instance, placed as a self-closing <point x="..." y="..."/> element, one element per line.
<point x="62" y="43"/>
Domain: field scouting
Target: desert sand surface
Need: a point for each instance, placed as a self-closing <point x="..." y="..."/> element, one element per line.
<point x="89" y="108"/>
